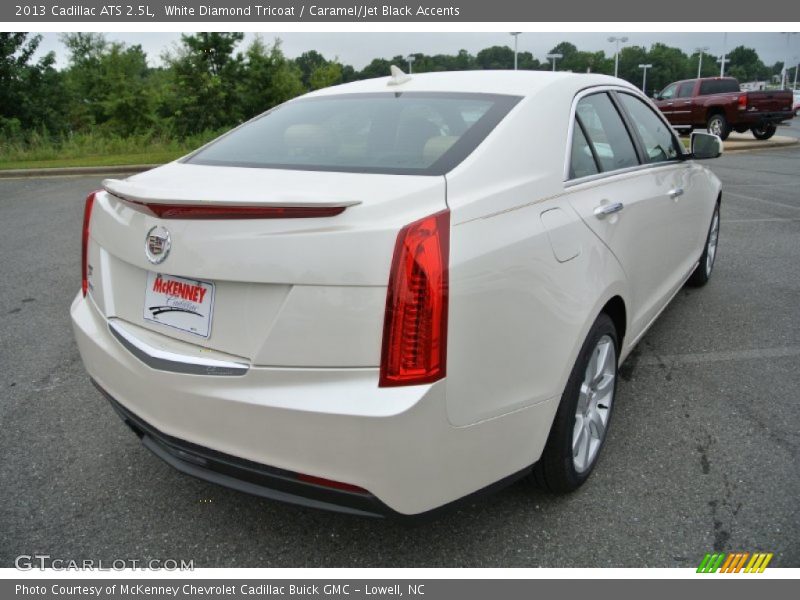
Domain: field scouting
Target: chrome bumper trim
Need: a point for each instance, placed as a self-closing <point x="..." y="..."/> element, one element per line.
<point x="162" y="360"/>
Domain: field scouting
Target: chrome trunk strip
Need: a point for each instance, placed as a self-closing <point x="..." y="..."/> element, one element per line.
<point x="163" y="360"/>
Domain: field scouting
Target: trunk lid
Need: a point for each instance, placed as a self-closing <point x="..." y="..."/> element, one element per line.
<point x="304" y="292"/>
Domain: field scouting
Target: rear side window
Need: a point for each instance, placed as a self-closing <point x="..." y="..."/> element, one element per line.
<point x="606" y="133"/>
<point x="659" y="143"/>
<point x="718" y="86"/>
<point x="686" y="89"/>
<point x="582" y="162"/>
<point x="396" y="133"/>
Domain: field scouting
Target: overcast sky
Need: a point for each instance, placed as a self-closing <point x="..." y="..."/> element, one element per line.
<point x="358" y="49"/>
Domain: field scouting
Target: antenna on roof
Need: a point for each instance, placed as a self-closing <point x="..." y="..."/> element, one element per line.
<point x="398" y="77"/>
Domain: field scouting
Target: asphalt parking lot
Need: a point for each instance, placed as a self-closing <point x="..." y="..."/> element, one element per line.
<point x="703" y="454"/>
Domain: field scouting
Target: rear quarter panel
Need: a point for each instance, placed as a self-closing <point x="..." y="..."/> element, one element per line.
<point x="517" y="315"/>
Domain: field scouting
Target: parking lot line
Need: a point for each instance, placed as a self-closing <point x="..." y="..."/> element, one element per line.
<point x="723" y="356"/>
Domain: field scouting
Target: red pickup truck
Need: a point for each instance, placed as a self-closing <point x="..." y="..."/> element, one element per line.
<point x="717" y="104"/>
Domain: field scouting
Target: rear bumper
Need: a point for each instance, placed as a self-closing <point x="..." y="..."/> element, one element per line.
<point x="258" y="431"/>
<point x="757" y="118"/>
<point x="244" y="475"/>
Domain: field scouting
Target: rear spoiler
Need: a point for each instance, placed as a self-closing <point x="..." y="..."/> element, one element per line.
<point x="175" y="205"/>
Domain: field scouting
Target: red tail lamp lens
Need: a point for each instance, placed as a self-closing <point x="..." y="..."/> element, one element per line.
<point x="221" y="211"/>
<point x="415" y="323"/>
<point x="87" y="217"/>
<point x="329" y="483"/>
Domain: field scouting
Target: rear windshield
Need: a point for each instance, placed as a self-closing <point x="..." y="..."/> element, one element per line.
<point x="718" y="86"/>
<point x="399" y="133"/>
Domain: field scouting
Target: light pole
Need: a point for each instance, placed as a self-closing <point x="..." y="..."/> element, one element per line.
<point x="618" y="40"/>
<point x="554" y="58"/>
<point x="644" y="77"/>
<point x="410" y="59"/>
<point x="797" y="66"/>
<point x="516" y="35"/>
<point x="701" y="50"/>
<point x="785" y="72"/>
<point x="724" y="51"/>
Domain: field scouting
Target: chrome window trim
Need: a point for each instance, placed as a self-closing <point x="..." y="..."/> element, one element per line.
<point x="626" y="171"/>
<point x="163" y="360"/>
<point x="568" y="182"/>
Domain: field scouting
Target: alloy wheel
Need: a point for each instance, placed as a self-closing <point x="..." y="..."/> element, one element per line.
<point x="594" y="404"/>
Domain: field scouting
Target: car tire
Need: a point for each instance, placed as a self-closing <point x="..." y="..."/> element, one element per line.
<point x="702" y="272"/>
<point x="764" y="132"/>
<point x="718" y="125"/>
<point x="581" y="423"/>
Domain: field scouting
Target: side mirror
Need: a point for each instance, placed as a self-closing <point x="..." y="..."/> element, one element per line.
<point x="705" y="145"/>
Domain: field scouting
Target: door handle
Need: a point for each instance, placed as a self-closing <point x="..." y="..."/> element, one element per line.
<point x="677" y="192"/>
<point x="608" y="209"/>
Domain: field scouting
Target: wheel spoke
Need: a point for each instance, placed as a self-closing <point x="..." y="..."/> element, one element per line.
<point x="578" y="437"/>
<point x="604" y="352"/>
<point x="604" y="386"/>
<point x="597" y="425"/>
<point x="583" y="399"/>
<point x="591" y="368"/>
<point x="587" y="446"/>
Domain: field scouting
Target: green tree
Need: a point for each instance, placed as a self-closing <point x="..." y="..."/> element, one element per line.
<point x="378" y="67"/>
<point x="31" y="93"/>
<point x="326" y="75"/>
<point x="744" y="64"/>
<point x="268" y="78"/>
<point x="308" y="62"/>
<point x="108" y="85"/>
<point x="495" y="57"/>
<point x="205" y="76"/>
<point x="669" y="64"/>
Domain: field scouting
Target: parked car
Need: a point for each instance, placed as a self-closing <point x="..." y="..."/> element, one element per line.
<point x="387" y="295"/>
<point x="717" y="104"/>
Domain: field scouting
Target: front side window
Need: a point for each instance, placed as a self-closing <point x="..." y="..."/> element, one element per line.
<point x="396" y="133"/>
<point x="659" y="143"/>
<point x="668" y="93"/>
<point x="606" y="132"/>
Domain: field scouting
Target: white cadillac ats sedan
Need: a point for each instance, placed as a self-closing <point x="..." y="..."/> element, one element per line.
<point x="385" y="296"/>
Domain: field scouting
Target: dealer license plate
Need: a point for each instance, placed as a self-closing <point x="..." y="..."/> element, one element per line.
<point x="185" y="304"/>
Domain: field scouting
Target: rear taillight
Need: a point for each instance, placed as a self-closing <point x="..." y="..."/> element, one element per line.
<point x="743" y="102"/>
<point x="415" y="324"/>
<point x="87" y="217"/>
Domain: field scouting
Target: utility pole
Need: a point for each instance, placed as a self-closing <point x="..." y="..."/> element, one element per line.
<point x="701" y="50"/>
<point x="618" y="40"/>
<point x="644" y="77"/>
<point x="554" y="58"/>
<point x="516" y="35"/>
<point x="724" y="51"/>
<point x="785" y="71"/>
<point x="410" y="58"/>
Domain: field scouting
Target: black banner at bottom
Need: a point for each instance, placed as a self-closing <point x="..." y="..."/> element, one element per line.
<point x="733" y="586"/>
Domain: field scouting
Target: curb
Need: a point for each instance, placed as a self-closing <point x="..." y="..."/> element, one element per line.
<point x="730" y="145"/>
<point x="63" y="171"/>
<point x="733" y="144"/>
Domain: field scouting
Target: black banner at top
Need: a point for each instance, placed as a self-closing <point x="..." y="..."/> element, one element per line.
<point x="337" y="11"/>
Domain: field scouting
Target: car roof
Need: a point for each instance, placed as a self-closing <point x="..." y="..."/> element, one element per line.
<point x="517" y="83"/>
